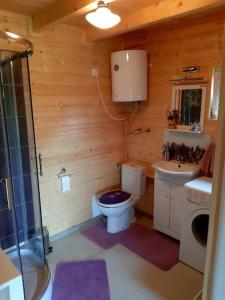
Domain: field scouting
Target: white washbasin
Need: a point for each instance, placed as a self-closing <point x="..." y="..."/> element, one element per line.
<point x="176" y="172"/>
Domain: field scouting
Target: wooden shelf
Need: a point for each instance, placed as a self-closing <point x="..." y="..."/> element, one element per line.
<point x="150" y="171"/>
<point x="188" y="81"/>
<point x="184" y="131"/>
<point x="150" y="175"/>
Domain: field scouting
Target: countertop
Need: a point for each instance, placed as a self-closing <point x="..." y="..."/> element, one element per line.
<point x="8" y="270"/>
<point x="201" y="184"/>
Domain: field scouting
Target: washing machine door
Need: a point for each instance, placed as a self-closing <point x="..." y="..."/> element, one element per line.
<point x="194" y="239"/>
<point x="199" y="223"/>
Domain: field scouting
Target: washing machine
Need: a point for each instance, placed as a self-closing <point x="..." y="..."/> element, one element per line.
<point x="195" y="224"/>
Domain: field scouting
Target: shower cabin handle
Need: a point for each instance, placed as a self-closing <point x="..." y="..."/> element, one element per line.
<point x="40" y="164"/>
<point x="7" y="189"/>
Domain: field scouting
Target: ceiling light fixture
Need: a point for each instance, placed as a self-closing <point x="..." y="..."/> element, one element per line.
<point x="102" y="17"/>
<point x="12" y="35"/>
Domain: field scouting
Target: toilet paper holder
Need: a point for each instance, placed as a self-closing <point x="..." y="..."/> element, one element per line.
<point x="63" y="173"/>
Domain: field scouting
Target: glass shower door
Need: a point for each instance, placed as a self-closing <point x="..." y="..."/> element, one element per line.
<point x="23" y="177"/>
<point x="9" y="237"/>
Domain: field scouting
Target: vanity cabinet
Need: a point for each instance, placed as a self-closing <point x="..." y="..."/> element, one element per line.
<point x="169" y="199"/>
<point x="161" y="204"/>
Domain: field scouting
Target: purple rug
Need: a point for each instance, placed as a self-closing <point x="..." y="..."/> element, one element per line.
<point x="158" y="249"/>
<point x="82" y="280"/>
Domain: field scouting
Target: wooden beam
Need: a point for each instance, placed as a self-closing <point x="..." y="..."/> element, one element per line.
<point x="153" y="14"/>
<point x="61" y="11"/>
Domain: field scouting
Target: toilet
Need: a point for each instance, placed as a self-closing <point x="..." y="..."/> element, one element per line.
<point x="118" y="205"/>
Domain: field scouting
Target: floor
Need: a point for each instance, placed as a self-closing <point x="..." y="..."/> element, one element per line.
<point x="130" y="276"/>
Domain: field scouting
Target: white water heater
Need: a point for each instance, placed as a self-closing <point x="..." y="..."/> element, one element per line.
<point x="129" y="75"/>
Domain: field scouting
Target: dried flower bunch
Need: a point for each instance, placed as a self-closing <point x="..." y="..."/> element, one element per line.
<point x="172" y="115"/>
<point x="183" y="153"/>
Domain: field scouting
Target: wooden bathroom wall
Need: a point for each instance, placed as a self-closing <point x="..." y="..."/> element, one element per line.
<point x="72" y="129"/>
<point x="171" y="47"/>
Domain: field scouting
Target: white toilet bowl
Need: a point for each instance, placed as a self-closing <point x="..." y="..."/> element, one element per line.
<point x="117" y="206"/>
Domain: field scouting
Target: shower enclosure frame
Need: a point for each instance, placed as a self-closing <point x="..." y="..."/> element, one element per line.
<point x="9" y="183"/>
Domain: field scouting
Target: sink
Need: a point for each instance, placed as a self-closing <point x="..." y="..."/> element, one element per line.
<point x="176" y="172"/>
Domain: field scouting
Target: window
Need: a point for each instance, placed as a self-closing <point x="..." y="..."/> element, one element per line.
<point x="215" y="94"/>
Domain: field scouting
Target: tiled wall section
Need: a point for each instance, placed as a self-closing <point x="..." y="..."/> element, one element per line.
<point x="16" y="162"/>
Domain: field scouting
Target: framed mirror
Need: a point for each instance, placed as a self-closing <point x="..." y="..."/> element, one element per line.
<point x="189" y="102"/>
<point x="215" y="94"/>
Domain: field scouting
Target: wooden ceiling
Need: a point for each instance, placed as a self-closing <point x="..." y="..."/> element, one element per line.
<point x="135" y="14"/>
<point x="120" y="7"/>
<point x="25" y="7"/>
<point x="31" y="7"/>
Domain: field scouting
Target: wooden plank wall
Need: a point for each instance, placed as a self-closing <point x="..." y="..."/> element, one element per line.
<point x="170" y="48"/>
<point x="169" y="51"/>
<point x="72" y="129"/>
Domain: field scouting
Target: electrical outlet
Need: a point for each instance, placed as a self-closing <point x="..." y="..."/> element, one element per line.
<point x="94" y="72"/>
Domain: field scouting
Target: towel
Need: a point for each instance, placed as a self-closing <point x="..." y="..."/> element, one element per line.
<point x="207" y="161"/>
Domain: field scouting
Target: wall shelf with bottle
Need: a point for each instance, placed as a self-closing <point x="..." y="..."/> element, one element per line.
<point x="184" y="130"/>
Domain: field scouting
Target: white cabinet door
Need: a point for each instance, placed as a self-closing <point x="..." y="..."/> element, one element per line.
<point x="162" y="203"/>
<point x="178" y="197"/>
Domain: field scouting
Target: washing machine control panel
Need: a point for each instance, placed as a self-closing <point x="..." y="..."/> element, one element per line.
<point x="200" y="198"/>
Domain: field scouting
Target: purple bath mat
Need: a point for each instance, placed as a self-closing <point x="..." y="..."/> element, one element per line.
<point x="82" y="280"/>
<point x="158" y="249"/>
<point x="98" y="234"/>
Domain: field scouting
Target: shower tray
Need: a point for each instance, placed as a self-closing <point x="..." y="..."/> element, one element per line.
<point x="36" y="277"/>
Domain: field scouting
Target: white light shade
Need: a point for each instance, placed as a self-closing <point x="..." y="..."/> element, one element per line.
<point x="103" y="18"/>
<point x="12" y="35"/>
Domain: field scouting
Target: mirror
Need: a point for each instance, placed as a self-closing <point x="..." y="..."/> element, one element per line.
<point x="215" y="94"/>
<point x="189" y="101"/>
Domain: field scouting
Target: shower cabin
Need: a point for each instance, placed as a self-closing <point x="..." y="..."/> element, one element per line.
<point x="21" y="230"/>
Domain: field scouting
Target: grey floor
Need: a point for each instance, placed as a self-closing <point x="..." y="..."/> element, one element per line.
<point x="130" y="276"/>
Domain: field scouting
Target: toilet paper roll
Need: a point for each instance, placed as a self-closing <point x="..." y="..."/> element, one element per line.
<point x="65" y="183"/>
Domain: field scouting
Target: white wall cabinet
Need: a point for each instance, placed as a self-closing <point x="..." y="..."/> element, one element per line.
<point x="169" y="199"/>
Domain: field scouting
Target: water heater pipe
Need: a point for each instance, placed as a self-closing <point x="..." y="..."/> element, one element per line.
<point x="105" y="107"/>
